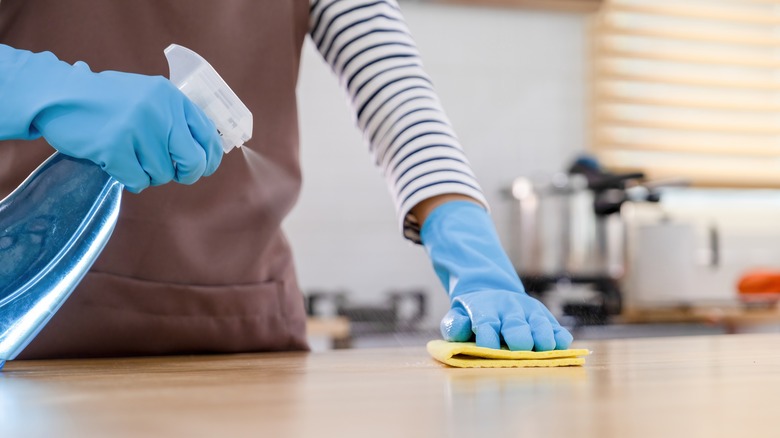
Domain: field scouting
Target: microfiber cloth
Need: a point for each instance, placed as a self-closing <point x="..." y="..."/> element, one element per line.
<point x="468" y="355"/>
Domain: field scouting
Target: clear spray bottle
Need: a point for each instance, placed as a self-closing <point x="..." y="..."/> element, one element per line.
<point x="56" y="223"/>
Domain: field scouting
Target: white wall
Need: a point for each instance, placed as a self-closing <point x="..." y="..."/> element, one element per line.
<point x="512" y="82"/>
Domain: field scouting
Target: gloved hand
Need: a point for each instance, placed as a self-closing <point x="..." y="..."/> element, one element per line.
<point x="487" y="298"/>
<point x="140" y="129"/>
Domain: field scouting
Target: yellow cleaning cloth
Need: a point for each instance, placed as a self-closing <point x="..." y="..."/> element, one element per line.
<point x="468" y="355"/>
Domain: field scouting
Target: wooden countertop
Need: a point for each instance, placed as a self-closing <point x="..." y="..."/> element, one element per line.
<point x="692" y="387"/>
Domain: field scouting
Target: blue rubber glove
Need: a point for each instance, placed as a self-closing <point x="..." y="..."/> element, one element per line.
<point x="487" y="298"/>
<point x="140" y="129"/>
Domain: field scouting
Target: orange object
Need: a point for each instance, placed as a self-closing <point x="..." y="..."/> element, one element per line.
<point x="759" y="281"/>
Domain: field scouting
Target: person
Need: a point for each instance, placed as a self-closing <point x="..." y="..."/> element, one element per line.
<point x="205" y="268"/>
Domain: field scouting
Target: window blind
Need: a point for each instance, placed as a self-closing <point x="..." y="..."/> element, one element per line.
<point x="689" y="88"/>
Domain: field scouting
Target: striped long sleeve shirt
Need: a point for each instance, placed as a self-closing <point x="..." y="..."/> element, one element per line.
<point x="369" y="47"/>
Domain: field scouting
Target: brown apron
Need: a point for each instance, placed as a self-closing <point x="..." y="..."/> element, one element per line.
<point x="189" y="269"/>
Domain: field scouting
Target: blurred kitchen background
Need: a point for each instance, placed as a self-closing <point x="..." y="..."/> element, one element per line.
<point x="628" y="149"/>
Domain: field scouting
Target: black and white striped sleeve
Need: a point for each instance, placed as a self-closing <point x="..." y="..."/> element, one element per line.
<point x="370" y="48"/>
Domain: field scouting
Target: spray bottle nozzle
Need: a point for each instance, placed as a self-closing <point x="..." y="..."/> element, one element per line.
<point x="198" y="80"/>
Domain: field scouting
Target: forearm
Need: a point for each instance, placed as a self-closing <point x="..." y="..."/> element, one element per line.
<point x="423" y="209"/>
<point x="15" y="121"/>
<point x="370" y="48"/>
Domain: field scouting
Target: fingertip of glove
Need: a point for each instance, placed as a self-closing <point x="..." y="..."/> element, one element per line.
<point x="543" y="333"/>
<point x="487" y="337"/>
<point x="544" y="342"/>
<point x="456" y="326"/>
<point x="213" y="164"/>
<point x="195" y="170"/>
<point x="518" y="338"/>
<point x="563" y="339"/>
<point x="187" y="180"/>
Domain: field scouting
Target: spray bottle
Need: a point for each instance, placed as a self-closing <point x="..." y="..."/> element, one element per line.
<point x="56" y="223"/>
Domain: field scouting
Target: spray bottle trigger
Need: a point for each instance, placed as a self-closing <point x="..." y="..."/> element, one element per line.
<point x="198" y="80"/>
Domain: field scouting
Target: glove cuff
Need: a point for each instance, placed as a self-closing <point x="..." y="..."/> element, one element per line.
<point x="29" y="82"/>
<point x="465" y="250"/>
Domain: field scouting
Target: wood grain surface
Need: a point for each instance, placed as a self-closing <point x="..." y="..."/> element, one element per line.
<point x="693" y="387"/>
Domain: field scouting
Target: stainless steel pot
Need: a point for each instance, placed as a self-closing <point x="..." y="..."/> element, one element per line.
<point x="568" y="230"/>
<point x="558" y="232"/>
